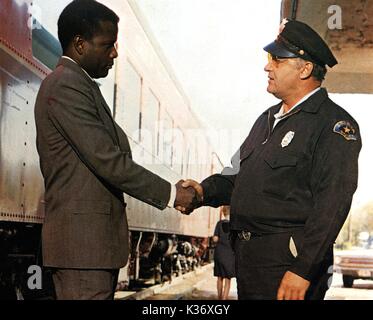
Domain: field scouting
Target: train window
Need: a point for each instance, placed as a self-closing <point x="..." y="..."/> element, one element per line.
<point x="217" y="166"/>
<point x="178" y="150"/>
<point x="196" y="159"/>
<point x="129" y="88"/>
<point x="107" y="87"/>
<point x="182" y="167"/>
<point x="150" y="121"/>
<point x="182" y="157"/>
<point x="187" y="164"/>
<point x="191" y="160"/>
<point x="166" y="137"/>
<point x="202" y="156"/>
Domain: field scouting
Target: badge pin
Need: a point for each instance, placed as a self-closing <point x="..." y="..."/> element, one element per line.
<point x="287" y="139"/>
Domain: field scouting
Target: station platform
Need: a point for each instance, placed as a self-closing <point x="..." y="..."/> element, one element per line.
<point x="196" y="285"/>
<point x="201" y="285"/>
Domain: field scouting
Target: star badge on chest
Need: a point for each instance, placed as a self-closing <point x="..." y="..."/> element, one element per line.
<point x="287" y="139"/>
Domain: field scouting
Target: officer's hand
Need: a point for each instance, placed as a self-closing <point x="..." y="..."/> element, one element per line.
<point x="292" y="287"/>
<point x="196" y="186"/>
<point x="187" y="198"/>
<point x="196" y="202"/>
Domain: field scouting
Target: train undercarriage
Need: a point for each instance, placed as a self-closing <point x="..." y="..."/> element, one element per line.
<point x="157" y="258"/>
<point x="21" y="274"/>
<point x="154" y="258"/>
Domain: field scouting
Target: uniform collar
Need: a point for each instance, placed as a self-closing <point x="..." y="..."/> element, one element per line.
<point x="311" y="104"/>
<point x="279" y="115"/>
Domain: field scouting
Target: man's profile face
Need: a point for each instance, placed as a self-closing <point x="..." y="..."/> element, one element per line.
<point x="100" y="51"/>
<point x="283" y="76"/>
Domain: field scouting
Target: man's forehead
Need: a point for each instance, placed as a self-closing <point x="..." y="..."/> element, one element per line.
<point x="106" y="29"/>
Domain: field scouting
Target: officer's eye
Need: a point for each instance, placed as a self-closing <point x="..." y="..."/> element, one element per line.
<point x="272" y="57"/>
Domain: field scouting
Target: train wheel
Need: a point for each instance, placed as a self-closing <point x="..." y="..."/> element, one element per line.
<point x="158" y="276"/>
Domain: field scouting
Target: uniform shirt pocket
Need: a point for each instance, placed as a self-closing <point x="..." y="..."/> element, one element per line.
<point x="280" y="178"/>
<point x="282" y="160"/>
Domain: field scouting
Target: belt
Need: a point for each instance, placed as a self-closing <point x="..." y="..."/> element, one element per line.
<point x="246" y="235"/>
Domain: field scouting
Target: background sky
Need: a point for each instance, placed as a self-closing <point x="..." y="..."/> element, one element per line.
<point x="215" y="48"/>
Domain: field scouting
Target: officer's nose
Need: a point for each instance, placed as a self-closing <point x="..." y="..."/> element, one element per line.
<point x="268" y="66"/>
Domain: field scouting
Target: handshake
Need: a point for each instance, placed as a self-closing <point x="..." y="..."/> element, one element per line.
<point x="189" y="196"/>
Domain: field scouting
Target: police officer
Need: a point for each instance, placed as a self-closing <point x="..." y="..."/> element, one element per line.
<point x="293" y="179"/>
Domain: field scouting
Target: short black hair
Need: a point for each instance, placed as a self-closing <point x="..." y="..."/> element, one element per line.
<point x="82" y="17"/>
<point x="318" y="72"/>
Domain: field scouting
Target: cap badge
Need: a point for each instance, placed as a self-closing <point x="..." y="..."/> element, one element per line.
<point x="287" y="139"/>
<point x="345" y="129"/>
<point x="301" y="52"/>
<point x="282" y="25"/>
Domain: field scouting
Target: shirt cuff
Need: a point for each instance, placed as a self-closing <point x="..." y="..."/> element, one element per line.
<point x="172" y="197"/>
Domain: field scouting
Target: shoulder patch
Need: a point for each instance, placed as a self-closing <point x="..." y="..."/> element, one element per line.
<point x="345" y="129"/>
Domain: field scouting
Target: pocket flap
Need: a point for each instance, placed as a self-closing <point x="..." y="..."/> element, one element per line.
<point x="283" y="160"/>
<point x="91" y="206"/>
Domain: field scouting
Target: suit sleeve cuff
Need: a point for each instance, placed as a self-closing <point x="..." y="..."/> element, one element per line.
<point x="172" y="197"/>
<point x="303" y="269"/>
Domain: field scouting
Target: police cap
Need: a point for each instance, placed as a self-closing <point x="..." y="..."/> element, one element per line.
<point x="297" y="39"/>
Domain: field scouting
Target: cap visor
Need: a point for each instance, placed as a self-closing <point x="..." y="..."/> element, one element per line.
<point x="279" y="50"/>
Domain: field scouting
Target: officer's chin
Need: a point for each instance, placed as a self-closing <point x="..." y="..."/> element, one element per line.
<point x="269" y="89"/>
<point x="272" y="91"/>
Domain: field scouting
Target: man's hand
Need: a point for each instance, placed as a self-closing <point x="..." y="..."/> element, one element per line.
<point x="292" y="287"/>
<point x="186" y="198"/>
<point x="196" y="186"/>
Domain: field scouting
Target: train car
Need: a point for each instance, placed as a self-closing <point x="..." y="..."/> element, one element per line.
<point x="146" y="101"/>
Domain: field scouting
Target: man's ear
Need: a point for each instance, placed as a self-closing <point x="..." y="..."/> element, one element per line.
<point x="79" y="44"/>
<point x="306" y="70"/>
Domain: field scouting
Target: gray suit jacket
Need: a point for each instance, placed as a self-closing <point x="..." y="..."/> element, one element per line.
<point x="86" y="163"/>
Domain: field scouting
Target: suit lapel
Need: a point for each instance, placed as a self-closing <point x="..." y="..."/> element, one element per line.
<point x="105" y="114"/>
<point x="103" y="102"/>
<point x="102" y="107"/>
